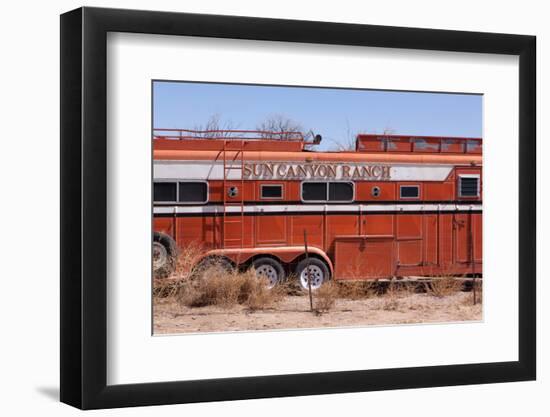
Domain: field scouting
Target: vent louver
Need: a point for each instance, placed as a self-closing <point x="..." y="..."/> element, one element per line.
<point x="469" y="186"/>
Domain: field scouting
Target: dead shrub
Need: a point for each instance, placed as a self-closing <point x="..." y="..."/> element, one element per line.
<point x="392" y="293"/>
<point x="261" y="297"/>
<point x="398" y="289"/>
<point x="164" y="287"/>
<point x="443" y="286"/>
<point x="214" y="286"/>
<point x="356" y="290"/>
<point x="290" y="286"/>
<point x="256" y="295"/>
<point x="325" y="296"/>
<point x="188" y="258"/>
<point x="217" y="286"/>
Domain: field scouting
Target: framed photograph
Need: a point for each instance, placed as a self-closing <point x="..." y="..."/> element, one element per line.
<point x="257" y="208"/>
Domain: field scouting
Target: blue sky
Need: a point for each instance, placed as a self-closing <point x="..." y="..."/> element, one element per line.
<point x="335" y="114"/>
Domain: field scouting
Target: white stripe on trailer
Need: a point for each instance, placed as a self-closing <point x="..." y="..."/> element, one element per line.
<point x="201" y="170"/>
<point x="317" y="208"/>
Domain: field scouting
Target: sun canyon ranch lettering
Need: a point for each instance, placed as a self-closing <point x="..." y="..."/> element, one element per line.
<point x="316" y="171"/>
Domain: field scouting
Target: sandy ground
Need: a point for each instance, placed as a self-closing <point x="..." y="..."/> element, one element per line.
<point x="293" y="312"/>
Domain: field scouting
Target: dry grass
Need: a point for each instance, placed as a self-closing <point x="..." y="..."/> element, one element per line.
<point x="394" y="291"/>
<point x="212" y="287"/>
<point x="260" y="297"/>
<point x="356" y="290"/>
<point x="443" y="286"/>
<point x="217" y="286"/>
<point x="293" y="312"/>
<point x="389" y="292"/>
<point x="325" y="297"/>
<point x="164" y="287"/>
<point x="188" y="258"/>
<point x="291" y="286"/>
<point x="214" y="284"/>
<point x="390" y="304"/>
<point x="356" y="286"/>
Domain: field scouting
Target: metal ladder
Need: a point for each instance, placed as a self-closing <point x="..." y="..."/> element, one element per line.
<point x="229" y="165"/>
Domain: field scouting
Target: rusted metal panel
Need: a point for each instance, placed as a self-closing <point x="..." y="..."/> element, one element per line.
<point x="361" y="257"/>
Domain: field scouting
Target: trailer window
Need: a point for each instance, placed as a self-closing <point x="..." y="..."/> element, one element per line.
<point x="164" y="191"/>
<point x="271" y="191"/>
<point x="327" y="191"/>
<point x="340" y="191"/>
<point x="468" y="186"/>
<point x="314" y="191"/>
<point x="193" y="192"/>
<point x="409" y="191"/>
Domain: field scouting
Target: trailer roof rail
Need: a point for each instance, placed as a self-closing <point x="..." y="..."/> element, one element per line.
<point x="189" y="134"/>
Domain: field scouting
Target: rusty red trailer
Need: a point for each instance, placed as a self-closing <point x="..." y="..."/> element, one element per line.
<point x="394" y="206"/>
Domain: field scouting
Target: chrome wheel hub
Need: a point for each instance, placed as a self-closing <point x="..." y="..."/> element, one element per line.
<point x="313" y="273"/>
<point x="269" y="273"/>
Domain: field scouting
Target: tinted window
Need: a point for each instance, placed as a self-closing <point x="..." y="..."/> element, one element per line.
<point x="164" y="191"/>
<point x="272" y="191"/>
<point x="340" y="191"/>
<point x="409" y="191"/>
<point x="193" y="192"/>
<point x="469" y="186"/>
<point x="314" y="191"/>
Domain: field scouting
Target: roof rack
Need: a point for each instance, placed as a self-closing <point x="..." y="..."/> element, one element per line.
<point x="187" y="134"/>
<point x="417" y="144"/>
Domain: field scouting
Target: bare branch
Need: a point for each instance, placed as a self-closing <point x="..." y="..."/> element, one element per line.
<point x="280" y="124"/>
<point x="215" y="127"/>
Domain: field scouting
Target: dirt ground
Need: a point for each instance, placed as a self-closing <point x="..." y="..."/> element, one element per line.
<point x="293" y="312"/>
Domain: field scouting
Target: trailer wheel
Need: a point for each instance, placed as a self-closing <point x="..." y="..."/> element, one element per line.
<point x="318" y="273"/>
<point x="164" y="255"/>
<point x="220" y="262"/>
<point x="269" y="269"/>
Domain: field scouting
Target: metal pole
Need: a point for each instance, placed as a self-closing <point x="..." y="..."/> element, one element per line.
<point x="307" y="273"/>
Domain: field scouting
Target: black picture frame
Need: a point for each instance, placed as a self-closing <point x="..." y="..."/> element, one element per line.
<point x="84" y="207"/>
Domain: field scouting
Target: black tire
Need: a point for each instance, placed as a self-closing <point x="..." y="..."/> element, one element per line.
<point x="270" y="269"/>
<point x="316" y="267"/>
<point x="164" y="253"/>
<point x="213" y="262"/>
